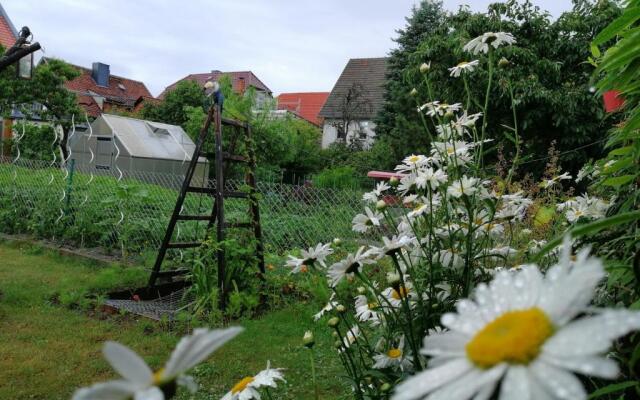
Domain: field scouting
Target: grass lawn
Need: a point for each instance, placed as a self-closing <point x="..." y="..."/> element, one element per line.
<point x="48" y="349"/>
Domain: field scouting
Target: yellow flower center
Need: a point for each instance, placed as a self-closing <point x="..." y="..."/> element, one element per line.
<point x="242" y="385"/>
<point x="304" y="268"/>
<point x="372" y="305"/>
<point x="399" y="294"/>
<point x="414" y="159"/>
<point x="450" y="150"/>
<point x="462" y="64"/>
<point x="158" y="376"/>
<point x="514" y="337"/>
<point x="394" y="353"/>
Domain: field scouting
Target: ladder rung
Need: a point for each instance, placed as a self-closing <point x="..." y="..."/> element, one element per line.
<point x="234" y="194"/>
<point x="233" y="122"/>
<point x="234" y="157"/>
<point x="183" y="245"/>
<point x="173" y="272"/>
<point x="225" y="156"/>
<point x="194" y="217"/>
<point x="238" y="224"/>
<point x="197" y="189"/>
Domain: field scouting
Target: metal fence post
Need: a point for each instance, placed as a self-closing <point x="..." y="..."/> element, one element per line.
<point x="71" y="169"/>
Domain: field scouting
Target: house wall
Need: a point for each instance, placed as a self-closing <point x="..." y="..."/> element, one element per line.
<point x="363" y="130"/>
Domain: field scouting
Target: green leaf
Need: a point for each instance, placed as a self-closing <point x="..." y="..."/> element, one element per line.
<point x="587" y="229"/>
<point x="618" y="180"/>
<point x="543" y="216"/>
<point x="621" y="151"/>
<point x="613" y="388"/>
<point x="595" y="51"/>
<point x="629" y="17"/>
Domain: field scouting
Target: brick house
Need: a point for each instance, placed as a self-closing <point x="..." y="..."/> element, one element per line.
<point x="306" y="105"/>
<point x="240" y="80"/>
<point x="98" y="91"/>
<point x="8" y="36"/>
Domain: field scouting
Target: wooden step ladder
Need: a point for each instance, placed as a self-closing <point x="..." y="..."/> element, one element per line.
<point x="218" y="193"/>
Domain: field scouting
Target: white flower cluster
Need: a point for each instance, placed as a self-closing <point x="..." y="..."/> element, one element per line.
<point x="586" y="207"/>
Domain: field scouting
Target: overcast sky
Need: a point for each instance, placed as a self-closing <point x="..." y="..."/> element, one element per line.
<point x="291" y="45"/>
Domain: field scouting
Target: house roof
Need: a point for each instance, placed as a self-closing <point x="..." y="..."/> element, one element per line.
<point x="250" y="79"/>
<point x="121" y="91"/>
<point x="8" y="32"/>
<point x="306" y="104"/>
<point x="147" y="139"/>
<point x="370" y="75"/>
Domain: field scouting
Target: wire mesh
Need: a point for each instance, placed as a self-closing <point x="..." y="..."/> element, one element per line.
<point x="127" y="214"/>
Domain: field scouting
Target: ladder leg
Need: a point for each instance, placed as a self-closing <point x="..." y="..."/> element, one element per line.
<point x="222" y="289"/>
<point x="180" y="201"/>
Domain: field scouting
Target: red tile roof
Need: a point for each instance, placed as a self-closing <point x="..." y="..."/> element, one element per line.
<point x="8" y="34"/>
<point x="236" y="79"/>
<point x="121" y="92"/>
<point x="306" y="104"/>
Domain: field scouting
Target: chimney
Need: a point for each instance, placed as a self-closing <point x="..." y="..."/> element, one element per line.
<point x="242" y="85"/>
<point x="100" y="74"/>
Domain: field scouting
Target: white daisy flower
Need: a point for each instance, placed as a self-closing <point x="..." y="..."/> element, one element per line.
<point x="348" y="266"/>
<point x="248" y="387"/>
<point x="436" y="108"/>
<point x="464" y="186"/>
<point x="451" y="257"/>
<point x="309" y="258"/>
<point x="373" y="196"/>
<point x="141" y="383"/>
<point x="456" y="152"/>
<point x="395" y="358"/>
<point x="430" y="176"/>
<point x="520" y="332"/>
<point x="351" y="336"/>
<point x="395" y="295"/>
<point x="463" y="67"/>
<point x="330" y="306"/>
<point x="481" y="43"/>
<point x="423" y="205"/>
<point x="548" y="183"/>
<point x="412" y="162"/>
<point x="391" y="245"/>
<point x="366" y="310"/>
<point x="362" y="222"/>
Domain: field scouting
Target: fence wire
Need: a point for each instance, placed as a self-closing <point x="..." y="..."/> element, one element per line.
<point x="127" y="215"/>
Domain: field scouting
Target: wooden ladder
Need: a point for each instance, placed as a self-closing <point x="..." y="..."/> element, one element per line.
<point x="219" y="194"/>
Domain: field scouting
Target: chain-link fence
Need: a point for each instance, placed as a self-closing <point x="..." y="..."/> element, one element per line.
<point x="126" y="212"/>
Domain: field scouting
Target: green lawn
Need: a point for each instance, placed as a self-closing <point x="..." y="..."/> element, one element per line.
<point x="48" y="349"/>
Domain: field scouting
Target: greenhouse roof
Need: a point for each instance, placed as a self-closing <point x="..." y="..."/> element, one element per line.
<point x="147" y="139"/>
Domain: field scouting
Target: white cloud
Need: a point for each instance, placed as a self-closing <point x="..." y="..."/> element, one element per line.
<point x="291" y="45"/>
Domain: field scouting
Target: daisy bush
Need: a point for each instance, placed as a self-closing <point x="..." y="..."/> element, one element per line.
<point x="446" y="303"/>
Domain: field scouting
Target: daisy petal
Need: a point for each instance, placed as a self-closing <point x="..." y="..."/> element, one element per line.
<point x="592" y="335"/>
<point x="152" y="393"/>
<point x="194" y="349"/>
<point x="470" y="384"/>
<point x="127" y="363"/>
<point x="586" y="365"/>
<point x="515" y="385"/>
<point x="444" y="344"/>
<point x="425" y="382"/>
<point x="112" y="390"/>
<point x="559" y="383"/>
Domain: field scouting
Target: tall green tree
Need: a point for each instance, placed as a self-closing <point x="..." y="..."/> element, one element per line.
<point x="45" y="88"/>
<point x="172" y="109"/>
<point x="546" y="70"/>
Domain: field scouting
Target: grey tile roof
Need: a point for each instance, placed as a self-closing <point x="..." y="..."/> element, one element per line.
<point x="368" y="74"/>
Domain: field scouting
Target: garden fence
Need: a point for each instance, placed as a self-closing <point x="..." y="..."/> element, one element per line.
<point x="126" y="212"/>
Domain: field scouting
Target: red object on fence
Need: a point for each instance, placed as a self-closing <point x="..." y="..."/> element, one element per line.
<point x="612" y="101"/>
<point x="383" y="175"/>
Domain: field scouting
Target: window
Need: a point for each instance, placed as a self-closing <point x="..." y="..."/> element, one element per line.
<point x="104" y="152"/>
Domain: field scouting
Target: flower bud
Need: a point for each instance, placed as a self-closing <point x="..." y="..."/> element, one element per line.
<point x="338" y="344"/>
<point x="425" y="67"/>
<point x="335" y="335"/>
<point x="385" y="387"/>
<point x="381" y="205"/>
<point x="337" y="242"/>
<point x="413" y="92"/>
<point x="449" y="115"/>
<point x="394" y="181"/>
<point x="308" y="340"/>
<point x="333" y="322"/>
<point x="503" y="63"/>
<point x="341" y="309"/>
<point x="362" y="290"/>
